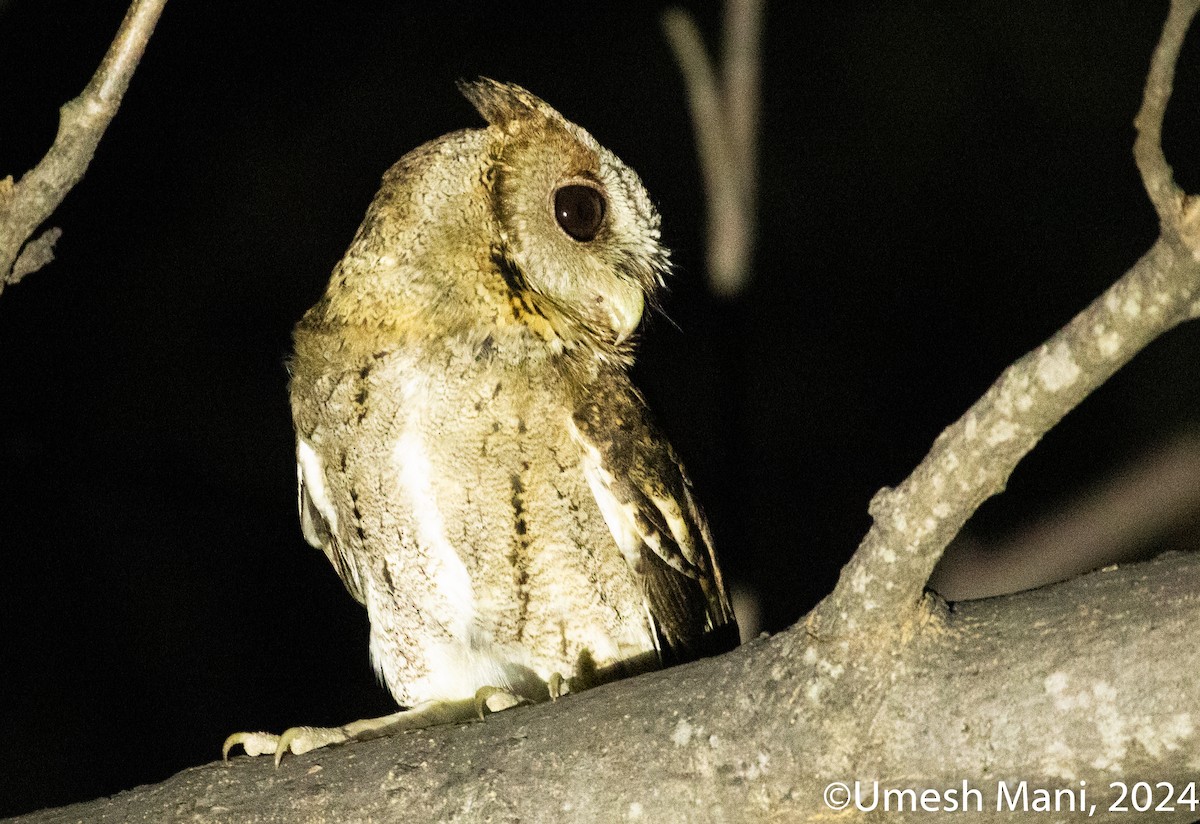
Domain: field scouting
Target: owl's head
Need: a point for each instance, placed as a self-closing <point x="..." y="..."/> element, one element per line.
<point x="529" y="223"/>
<point x="576" y="228"/>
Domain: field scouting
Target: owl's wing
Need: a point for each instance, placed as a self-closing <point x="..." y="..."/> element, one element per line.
<point x="318" y="516"/>
<point x="646" y="499"/>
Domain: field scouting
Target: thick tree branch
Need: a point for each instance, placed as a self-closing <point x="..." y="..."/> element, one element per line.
<point x="1047" y="686"/>
<point x="27" y="204"/>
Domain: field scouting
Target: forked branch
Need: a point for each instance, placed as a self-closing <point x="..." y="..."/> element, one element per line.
<point x="724" y="102"/>
<point x="971" y="460"/>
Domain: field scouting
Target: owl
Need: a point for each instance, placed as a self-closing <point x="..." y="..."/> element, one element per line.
<point x="471" y="454"/>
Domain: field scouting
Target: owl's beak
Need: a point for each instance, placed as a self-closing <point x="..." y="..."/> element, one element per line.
<point x="625" y="313"/>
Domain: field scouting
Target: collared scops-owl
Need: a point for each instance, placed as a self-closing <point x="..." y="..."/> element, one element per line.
<point x="472" y="456"/>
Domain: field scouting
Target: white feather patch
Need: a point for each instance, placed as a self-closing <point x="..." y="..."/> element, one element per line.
<point x="443" y="565"/>
<point x="616" y="515"/>
<point x="310" y="475"/>
<point x="678" y="524"/>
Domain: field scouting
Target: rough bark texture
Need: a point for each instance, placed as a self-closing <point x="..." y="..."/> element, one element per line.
<point x="1066" y="687"/>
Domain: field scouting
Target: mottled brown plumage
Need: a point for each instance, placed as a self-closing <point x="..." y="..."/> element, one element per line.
<point x="472" y="457"/>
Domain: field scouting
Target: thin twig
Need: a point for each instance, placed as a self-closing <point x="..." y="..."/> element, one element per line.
<point x="725" y="120"/>
<point x="26" y="205"/>
<point x="881" y="586"/>
<point x="1147" y="148"/>
<point x="742" y="67"/>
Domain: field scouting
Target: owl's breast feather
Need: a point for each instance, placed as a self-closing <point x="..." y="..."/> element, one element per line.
<point x="487" y="554"/>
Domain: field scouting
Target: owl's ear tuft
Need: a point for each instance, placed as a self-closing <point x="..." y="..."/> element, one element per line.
<point x="505" y="105"/>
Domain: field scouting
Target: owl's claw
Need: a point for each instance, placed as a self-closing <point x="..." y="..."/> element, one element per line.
<point x="297" y="740"/>
<point x="254" y="743"/>
<point x="494" y="699"/>
<point x="300" y="740"/>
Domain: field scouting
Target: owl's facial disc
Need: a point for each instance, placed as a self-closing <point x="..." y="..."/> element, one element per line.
<point x="573" y="221"/>
<point x="580" y="207"/>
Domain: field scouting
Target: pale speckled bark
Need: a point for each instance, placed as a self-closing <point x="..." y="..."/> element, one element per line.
<point x="1091" y="680"/>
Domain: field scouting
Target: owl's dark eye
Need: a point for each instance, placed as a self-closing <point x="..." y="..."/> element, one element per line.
<point x="579" y="210"/>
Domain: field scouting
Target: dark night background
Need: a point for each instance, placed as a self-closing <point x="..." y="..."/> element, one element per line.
<point x="944" y="184"/>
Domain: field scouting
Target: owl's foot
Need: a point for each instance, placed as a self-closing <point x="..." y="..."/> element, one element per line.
<point x="299" y="740"/>
<point x="495" y="699"/>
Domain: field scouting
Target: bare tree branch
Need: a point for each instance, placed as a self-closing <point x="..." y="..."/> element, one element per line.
<point x="742" y="63"/>
<point x="27" y="204"/>
<point x="973" y="458"/>
<point x="36" y="254"/>
<point x="725" y="121"/>
<point x="1147" y="148"/>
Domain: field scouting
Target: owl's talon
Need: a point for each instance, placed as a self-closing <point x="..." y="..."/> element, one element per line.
<point x="254" y="743"/>
<point x="297" y="740"/>
<point x="493" y="699"/>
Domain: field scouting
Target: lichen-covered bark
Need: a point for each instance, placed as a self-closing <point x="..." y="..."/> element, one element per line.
<point x="1068" y="687"/>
